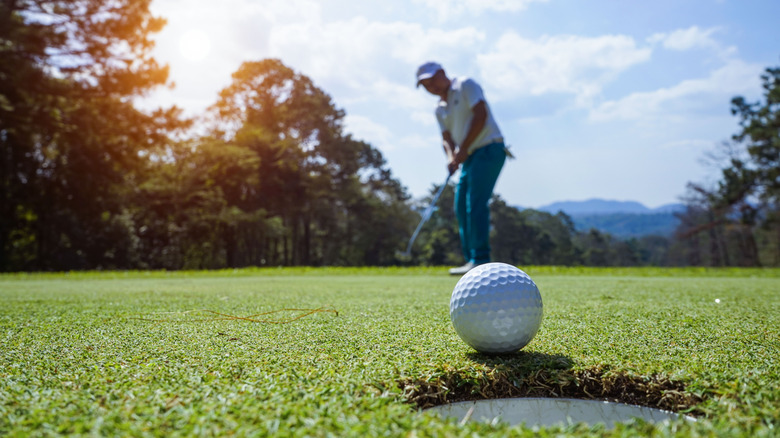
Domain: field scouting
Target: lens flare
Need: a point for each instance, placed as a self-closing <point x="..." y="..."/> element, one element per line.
<point x="195" y="45"/>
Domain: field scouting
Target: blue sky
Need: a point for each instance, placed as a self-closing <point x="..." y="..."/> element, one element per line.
<point x="597" y="98"/>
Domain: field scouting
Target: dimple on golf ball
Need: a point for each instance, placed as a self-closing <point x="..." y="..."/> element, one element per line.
<point x="496" y="308"/>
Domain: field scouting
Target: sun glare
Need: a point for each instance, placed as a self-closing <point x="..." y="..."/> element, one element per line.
<point x="194" y="45"/>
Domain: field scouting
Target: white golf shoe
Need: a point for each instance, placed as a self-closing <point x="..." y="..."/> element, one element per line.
<point x="462" y="270"/>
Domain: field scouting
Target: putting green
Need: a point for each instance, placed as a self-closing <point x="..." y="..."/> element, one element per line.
<point x="80" y="355"/>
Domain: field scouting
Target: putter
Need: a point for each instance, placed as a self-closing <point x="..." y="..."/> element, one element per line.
<point x="425" y="216"/>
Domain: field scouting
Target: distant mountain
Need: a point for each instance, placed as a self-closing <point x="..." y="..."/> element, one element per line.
<point x="670" y="208"/>
<point x="594" y="206"/>
<point x="603" y="206"/>
<point x="623" y="219"/>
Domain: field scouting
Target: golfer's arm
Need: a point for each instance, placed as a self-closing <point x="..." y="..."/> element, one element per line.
<point x="449" y="145"/>
<point x="477" y="124"/>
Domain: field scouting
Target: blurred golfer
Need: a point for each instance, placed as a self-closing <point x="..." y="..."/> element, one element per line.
<point x="473" y="142"/>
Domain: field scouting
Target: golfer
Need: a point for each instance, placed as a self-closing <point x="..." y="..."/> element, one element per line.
<point x="473" y="142"/>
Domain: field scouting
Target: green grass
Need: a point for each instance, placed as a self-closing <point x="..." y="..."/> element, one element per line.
<point x="75" y="359"/>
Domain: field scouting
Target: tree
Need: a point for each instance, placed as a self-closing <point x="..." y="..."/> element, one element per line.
<point x="655" y="251"/>
<point x="703" y="228"/>
<point x="760" y="123"/>
<point x="760" y="176"/>
<point x="191" y="211"/>
<point x="532" y="237"/>
<point x="559" y="231"/>
<point x="336" y="199"/>
<point x="70" y="138"/>
<point x="596" y="248"/>
<point x="513" y="239"/>
<point x="746" y="201"/>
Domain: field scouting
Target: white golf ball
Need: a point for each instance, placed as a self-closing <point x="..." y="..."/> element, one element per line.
<point x="496" y="308"/>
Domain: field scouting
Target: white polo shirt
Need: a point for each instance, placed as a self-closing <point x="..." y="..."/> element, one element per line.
<point x="455" y="114"/>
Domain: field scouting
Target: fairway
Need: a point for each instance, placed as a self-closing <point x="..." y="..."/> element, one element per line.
<point x="116" y="354"/>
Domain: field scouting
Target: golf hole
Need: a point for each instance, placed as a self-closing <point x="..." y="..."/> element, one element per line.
<point x="547" y="412"/>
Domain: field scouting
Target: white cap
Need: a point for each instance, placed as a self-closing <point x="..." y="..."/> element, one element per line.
<point x="427" y="70"/>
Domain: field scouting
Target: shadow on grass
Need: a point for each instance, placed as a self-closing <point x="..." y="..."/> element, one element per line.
<point x="524" y="361"/>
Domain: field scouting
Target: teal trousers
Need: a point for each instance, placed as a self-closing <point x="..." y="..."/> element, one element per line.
<point x="478" y="176"/>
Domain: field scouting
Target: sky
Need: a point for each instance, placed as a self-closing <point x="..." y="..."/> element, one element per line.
<point x="610" y="99"/>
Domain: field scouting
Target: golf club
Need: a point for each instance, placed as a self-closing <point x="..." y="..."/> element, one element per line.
<point x="425" y="216"/>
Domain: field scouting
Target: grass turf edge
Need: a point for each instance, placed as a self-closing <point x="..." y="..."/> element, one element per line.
<point x="300" y="271"/>
<point x="450" y="385"/>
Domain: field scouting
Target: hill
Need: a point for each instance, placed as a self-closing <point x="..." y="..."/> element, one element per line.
<point x="624" y="219"/>
<point x="602" y="206"/>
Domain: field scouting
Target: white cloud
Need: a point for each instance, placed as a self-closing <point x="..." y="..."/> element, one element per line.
<point x="736" y="77"/>
<point x="685" y="39"/>
<point x="395" y="95"/>
<point x="358" y="51"/>
<point x="363" y="128"/>
<point x="691" y="38"/>
<point x="447" y="9"/>
<point x="362" y="62"/>
<point x="354" y="59"/>
<point x="559" y="64"/>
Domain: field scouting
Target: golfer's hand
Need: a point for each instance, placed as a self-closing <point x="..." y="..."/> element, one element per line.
<point x="452" y="167"/>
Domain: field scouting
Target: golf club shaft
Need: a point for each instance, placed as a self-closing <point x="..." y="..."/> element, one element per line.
<point x="426" y="215"/>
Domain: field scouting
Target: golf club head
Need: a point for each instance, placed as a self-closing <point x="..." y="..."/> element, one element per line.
<point x="403" y="256"/>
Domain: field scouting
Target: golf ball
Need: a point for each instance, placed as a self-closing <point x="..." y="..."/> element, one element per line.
<point x="496" y="308"/>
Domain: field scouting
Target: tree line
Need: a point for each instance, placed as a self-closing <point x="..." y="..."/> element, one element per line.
<point x="89" y="181"/>
<point x="271" y="178"/>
